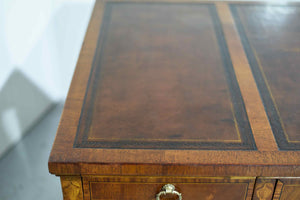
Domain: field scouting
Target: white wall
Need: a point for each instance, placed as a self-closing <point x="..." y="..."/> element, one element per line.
<point x="39" y="45"/>
<point x="21" y="105"/>
<point x="42" y="39"/>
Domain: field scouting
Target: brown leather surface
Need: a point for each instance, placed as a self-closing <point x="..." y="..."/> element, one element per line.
<point x="162" y="79"/>
<point x="272" y="43"/>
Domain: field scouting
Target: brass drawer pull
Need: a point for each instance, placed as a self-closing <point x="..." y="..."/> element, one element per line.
<point x="168" y="189"/>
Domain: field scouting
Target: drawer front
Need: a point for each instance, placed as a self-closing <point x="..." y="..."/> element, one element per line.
<point x="287" y="189"/>
<point x="146" y="188"/>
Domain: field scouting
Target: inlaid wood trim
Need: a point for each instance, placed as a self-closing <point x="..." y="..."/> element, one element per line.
<point x="287" y="188"/>
<point x="278" y="190"/>
<point x="175" y="179"/>
<point x="71" y="187"/>
<point x="258" y="119"/>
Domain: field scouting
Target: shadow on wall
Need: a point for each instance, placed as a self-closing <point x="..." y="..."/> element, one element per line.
<point x="22" y="104"/>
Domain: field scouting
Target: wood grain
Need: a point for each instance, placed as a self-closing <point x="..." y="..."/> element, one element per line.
<point x="258" y="119"/>
<point x="264" y="188"/>
<point x="71" y="187"/>
<point x="287" y="189"/>
<point x="278" y="189"/>
<point x="133" y="188"/>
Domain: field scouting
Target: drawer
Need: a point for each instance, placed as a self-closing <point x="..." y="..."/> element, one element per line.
<point x="146" y="188"/>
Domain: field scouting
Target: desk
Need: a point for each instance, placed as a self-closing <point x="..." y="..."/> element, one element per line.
<point x="203" y="96"/>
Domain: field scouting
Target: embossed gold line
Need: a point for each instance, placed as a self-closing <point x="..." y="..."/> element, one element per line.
<point x="235" y="122"/>
<point x="257" y="116"/>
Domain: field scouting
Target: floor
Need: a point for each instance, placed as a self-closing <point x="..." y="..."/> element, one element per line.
<point x="24" y="169"/>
